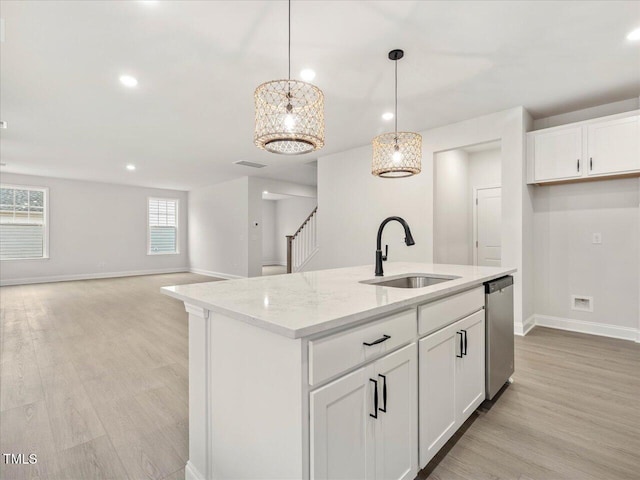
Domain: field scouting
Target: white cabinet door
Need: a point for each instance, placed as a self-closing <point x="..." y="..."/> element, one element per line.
<point x="470" y="368"/>
<point x="437" y="369"/>
<point x="558" y="154"/>
<point x="342" y="432"/>
<point x="614" y="146"/>
<point x="397" y="423"/>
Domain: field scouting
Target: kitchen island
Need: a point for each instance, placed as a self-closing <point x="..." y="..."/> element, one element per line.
<point x="317" y="374"/>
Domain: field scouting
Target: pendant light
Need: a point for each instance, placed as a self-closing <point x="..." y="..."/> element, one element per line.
<point x="396" y="154"/>
<point x="289" y="114"/>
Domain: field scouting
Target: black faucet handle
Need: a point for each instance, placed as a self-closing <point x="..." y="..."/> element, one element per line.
<point x="386" y="253"/>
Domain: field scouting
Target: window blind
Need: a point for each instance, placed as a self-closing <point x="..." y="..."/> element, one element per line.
<point x="22" y="222"/>
<point x="163" y="225"/>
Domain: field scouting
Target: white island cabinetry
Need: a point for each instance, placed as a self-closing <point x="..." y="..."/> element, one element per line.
<point x="318" y="376"/>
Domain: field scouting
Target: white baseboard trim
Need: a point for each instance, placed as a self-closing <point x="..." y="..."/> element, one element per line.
<point x="591" y="328"/>
<point x="89" y="276"/>
<point x="192" y="473"/>
<point x="521" y="329"/>
<point x="209" y="273"/>
<point x="268" y="263"/>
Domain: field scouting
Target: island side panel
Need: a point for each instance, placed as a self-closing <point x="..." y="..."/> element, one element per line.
<point x="198" y="467"/>
<point x="256" y="403"/>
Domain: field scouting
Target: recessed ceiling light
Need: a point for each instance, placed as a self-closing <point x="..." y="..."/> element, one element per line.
<point x="265" y="192"/>
<point x="131" y="167"/>
<point x="307" y="74"/>
<point x="128" y="81"/>
<point x="3" y="124"/>
<point x="634" y="35"/>
<point x="387" y="116"/>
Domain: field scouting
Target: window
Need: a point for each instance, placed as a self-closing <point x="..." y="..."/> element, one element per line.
<point x="163" y="226"/>
<point x="23" y="222"/>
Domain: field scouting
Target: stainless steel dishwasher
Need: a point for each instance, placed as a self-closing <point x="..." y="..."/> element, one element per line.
<point x="499" y="331"/>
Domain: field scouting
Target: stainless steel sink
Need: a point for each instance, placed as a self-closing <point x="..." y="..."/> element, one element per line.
<point x="410" y="281"/>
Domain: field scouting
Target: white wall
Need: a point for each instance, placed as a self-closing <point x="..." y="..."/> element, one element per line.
<point x="269" y="255"/>
<point x="290" y="213"/>
<point x="485" y="168"/>
<point x="96" y="230"/>
<point x="226" y="226"/>
<point x="256" y="186"/>
<point x="567" y="262"/>
<point x="219" y="229"/>
<point x="352" y="203"/>
<point x="451" y="216"/>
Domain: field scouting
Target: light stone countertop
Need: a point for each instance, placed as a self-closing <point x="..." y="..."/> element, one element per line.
<point x="302" y="304"/>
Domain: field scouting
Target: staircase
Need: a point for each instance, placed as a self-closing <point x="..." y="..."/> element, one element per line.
<point x="302" y="245"/>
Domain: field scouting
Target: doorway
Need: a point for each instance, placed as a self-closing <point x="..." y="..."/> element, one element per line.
<point x="468" y="205"/>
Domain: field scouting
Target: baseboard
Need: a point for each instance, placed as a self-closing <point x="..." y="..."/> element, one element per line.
<point x="591" y="328"/>
<point x="269" y="263"/>
<point x="525" y="327"/>
<point x="192" y="473"/>
<point x="89" y="276"/>
<point x="209" y="273"/>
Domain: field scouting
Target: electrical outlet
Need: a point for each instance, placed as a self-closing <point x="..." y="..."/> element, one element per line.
<point x="597" y="239"/>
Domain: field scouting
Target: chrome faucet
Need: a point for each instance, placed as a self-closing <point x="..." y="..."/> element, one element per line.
<point x="408" y="239"/>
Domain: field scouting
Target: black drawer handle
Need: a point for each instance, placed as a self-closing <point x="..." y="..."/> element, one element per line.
<point x="384" y="338"/>
<point x="461" y="351"/>
<point x="465" y="342"/>
<point x="578" y="165"/>
<point x="384" y="392"/>
<point x="375" y="399"/>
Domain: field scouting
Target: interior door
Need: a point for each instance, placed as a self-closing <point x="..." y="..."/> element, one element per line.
<point x="614" y="146"/>
<point x="558" y="154"/>
<point x="470" y="368"/>
<point x="397" y="423"/>
<point x="488" y="242"/>
<point x="342" y="432"/>
<point x="437" y="407"/>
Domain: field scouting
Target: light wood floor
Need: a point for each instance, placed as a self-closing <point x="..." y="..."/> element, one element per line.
<point x="93" y="378"/>
<point x="573" y="413"/>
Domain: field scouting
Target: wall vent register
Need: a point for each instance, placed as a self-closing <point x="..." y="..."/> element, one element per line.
<point x="582" y="303"/>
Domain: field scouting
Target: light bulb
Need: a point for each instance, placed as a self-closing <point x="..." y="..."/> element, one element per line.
<point x="397" y="156"/>
<point x="289" y="122"/>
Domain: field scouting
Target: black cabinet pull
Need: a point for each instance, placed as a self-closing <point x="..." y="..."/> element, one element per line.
<point x="375" y="399"/>
<point x="460" y="356"/>
<point x="590" y="163"/>
<point x="578" y="164"/>
<point x="384" y="393"/>
<point x="465" y="342"/>
<point x="384" y="338"/>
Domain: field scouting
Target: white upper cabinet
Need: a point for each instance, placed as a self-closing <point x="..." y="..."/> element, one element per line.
<point x="604" y="147"/>
<point x="614" y="146"/>
<point x="558" y="154"/>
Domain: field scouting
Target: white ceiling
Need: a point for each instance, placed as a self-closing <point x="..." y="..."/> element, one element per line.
<point x="198" y="63"/>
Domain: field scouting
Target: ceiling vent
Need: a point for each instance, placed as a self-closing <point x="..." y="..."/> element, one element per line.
<point x="249" y="164"/>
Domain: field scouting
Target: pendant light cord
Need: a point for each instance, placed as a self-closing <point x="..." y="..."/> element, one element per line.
<point x="289" y="41"/>
<point x="396" y="105"/>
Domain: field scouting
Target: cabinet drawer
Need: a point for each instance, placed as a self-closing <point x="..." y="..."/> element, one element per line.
<point x="435" y="315"/>
<point x="336" y="353"/>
